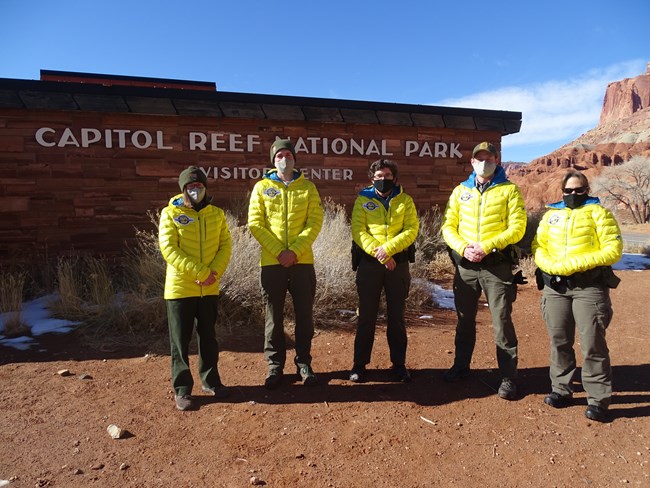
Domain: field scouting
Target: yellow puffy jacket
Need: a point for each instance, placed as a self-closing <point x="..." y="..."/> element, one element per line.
<point x="285" y="217"/>
<point x="495" y="218"/>
<point x="572" y="241"/>
<point x="193" y="244"/>
<point x="372" y="225"/>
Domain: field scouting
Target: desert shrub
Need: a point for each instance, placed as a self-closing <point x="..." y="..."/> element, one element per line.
<point x="12" y="285"/>
<point x="238" y="209"/>
<point x="241" y="299"/>
<point x="429" y="240"/>
<point x="69" y="285"/>
<point x="432" y="261"/>
<point x="527" y="266"/>
<point x="99" y="282"/>
<point x="83" y="282"/>
<point x="439" y="268"/>
<point x="118" y="303"/>
<point x="86" y="294"/>
<point x="335" y="289"/>
<point x="144" y="264"/>
<point x="636" y="247"/>
<point x="143" y="282"/>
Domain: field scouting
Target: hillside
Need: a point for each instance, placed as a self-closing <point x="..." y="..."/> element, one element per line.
<point x="623" y="132"/>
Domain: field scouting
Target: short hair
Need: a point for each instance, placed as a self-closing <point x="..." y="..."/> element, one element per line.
<point x="381" y="164"/>
<point x="574" y="173"/>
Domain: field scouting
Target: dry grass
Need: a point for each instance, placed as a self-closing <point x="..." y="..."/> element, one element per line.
<point x="122" y="303"/>
<point x="527" y="266"/>
<point x="335" y="289"/>
<point x="636" y="248"/>
<point x="119" y="303"/>
<point x="241" y="299"/>
<point x="69" y="286"/>
<point x="12" y="286"/>
<point x="429" y="241"/>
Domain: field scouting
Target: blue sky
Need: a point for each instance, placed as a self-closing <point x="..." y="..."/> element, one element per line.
<point x="549" y="60"/>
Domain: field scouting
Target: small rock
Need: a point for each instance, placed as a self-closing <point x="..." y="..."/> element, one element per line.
<point x="124" y="466"/>
<point x="300" y="456"/>
<point x="64" y="372"/>
<point x="115" y="432"/>
<point x="255" y="481"/>
<point x="77" y="471"/>
<point x="85" y="376"/>
<point x="97" y="466"/>
<point x="4" y="482"/>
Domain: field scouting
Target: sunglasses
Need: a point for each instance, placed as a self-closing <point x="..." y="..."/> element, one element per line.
<point x="581" y="190"/>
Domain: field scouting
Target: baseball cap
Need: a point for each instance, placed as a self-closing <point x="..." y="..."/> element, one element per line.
<point x="485" y="146"/>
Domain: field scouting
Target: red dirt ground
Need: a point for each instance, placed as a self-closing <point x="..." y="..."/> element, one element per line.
<point x="338" y="434"/>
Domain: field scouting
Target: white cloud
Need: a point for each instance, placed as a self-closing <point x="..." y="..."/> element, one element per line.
<point x="553" y="111"/>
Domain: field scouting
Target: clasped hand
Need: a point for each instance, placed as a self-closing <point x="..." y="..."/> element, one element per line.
<point x="474" y="252"/>
<point x="381" y="255"/>
<point x="287" y="258"/>
<point x="211" y="279"/>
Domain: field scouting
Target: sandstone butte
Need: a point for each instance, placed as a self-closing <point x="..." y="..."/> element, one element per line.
<point x="623" y="132"/>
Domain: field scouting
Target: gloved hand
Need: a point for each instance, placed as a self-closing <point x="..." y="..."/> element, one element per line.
<point x="519" y="278"/>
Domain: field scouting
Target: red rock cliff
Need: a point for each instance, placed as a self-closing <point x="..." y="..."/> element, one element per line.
<point x="623" y="98"/>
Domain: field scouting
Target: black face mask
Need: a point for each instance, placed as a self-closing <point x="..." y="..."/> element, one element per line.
<point x="383" y="186"/>
<point x="574" y="200"/>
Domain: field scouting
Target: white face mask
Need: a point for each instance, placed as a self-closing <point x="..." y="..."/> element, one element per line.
<point x="484" y="169"/>
<point x="196" y="194"/>
<point x="284" y="166"/>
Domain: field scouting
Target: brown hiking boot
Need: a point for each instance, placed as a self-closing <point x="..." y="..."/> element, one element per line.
<point x="184" y="402"/>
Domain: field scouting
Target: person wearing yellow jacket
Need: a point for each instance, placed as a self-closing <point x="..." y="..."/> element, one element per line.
<point x="285" y="216"/>
<point x="484" y="218"/>
<point x="384" y="226"/>
<point x="576" y="243"/>
<point x="195" y="242"/>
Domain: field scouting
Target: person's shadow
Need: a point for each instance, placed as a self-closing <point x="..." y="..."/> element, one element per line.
<point x="427" y="388"/>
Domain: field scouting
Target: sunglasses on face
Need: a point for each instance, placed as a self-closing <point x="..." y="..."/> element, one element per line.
<point x="580" y="190"/>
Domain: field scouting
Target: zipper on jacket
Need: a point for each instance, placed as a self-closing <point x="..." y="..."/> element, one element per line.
<point x="478" y="217"/>
<point x="198" y="217"/>
<point x="286" y="215"/>
<point x="387" y="219"/>
<point x="566" y="234"/>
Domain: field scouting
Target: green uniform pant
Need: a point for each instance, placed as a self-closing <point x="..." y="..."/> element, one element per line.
<point x="181" y="316"/>
<point x="372" y="278"/>
<point x="300" y="281"/>
<point x="590" y="311"/>
<point x="497" y="283"/>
